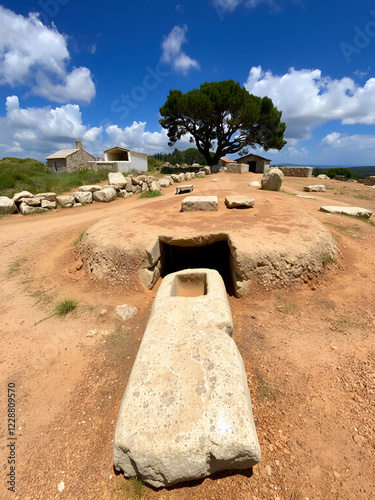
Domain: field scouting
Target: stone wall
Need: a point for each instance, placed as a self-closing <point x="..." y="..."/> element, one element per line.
<point x="370" y="181"/>
<point x="296" y="171"/>
<point x="238" y="168"/>
<point x="78" y="161"/>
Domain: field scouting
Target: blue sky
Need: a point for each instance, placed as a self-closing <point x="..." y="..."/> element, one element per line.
<point x="100" y="71"/>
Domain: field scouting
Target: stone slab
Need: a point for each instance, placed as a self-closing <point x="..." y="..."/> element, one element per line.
<point x="316" y="188"/>
<point x="186" y="412"/>
<point x="239" y="200"/>
<point x="352" y="211"/>
<point x="90" y="188"/>
<point x="307" y="197"/>
<point x="196" y="203"/>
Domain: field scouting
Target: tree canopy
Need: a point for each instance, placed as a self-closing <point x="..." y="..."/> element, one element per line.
<point x="189" y="156"/>
<point x="222" y="114"/>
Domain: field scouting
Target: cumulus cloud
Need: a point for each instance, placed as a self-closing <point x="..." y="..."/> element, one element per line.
<point x="308" y="99"/>
<point x="173" y="53"/>
<point x="356" y="142"/>
<point x="231" y="5"/>
<point x="38" y="132"/>
<point x="35" y="55"/>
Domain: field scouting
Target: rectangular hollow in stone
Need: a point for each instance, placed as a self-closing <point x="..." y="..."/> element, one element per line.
<point x="189" y="285"/>
<point x="186" y="412"/>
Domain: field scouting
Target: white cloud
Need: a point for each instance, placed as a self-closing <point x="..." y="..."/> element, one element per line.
<point x="37" y="132"/>
<point x="231" y="5"/>
<point x="36" y="55"/>
<point x="308" y="99"/>
<point x="356" y="142"/>
<point x="173" y="53"/>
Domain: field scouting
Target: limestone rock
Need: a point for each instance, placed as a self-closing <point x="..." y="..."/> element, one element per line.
<point x="188" y="176"/>
<point x="84" y="197"/>
<point x="322" y="176"/>
<point x="164" y="183"/>
<point x="196" y="165"/>
<point x="175" y="178"/>
<point x="126" y="311"/>
<point x="201" y="173"/>
<point x="254" y="184"/>
<point x="23" y="194"/>
<point x="105" y="195"/>
<point x="65" y="200"/>
<point x="207" y="170"/>
<point x="124" y="194"/>
<point x="272" y="179"/>
<point x="239" y="200"/>
<point x="46" y="196"/>
<point x="91" y="188"/>
<point x="26" y="209"/>
<point x="307" y="197"/>
<point x="204" y="203"/>
<point x="32" y="202"/>
<point x="117" y="180"/>
<point x="48" y="204"/>
<point x="186" y="411"/>
<point x="155" y="186"/>
<point x="129" y="185"/>
<point x="214" y="180"/>
<point x="316" y="188"/>
<point x="7" y="206"/>
<point x="353" y="211"/>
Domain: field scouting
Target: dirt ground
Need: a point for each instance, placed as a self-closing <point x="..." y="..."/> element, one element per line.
<point x="309" y="352"/>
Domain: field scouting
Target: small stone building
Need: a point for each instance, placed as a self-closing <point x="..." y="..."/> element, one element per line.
<point x="70" y="160"/>
<point x="257" y="164"/>
<point x="123" y="160"/>
<point x="223" y="162"/>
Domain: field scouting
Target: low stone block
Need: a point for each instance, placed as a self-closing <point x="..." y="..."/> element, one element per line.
<point x="307" y="197"/>
<point x="23" y="194"/>
<point x="323" y="176"/>
<point x="316" y="188"/>
<point x="48" y="204"/>
<point x="65" y="200"/>
<point x="204" y="203"/>
<point x="237" y="168"/>
<point x="7" y="206"/>
<point x="32" y="202"/>
<point x="353" y="211"/>
<point x="117" y="180"/>
<point x="201" y="173"/>
<point x="254" y="184"/>
<point x="186" y="411"/>
<point x="84" y="197"/>
<point x="240" y="200"/>
<point x="26" y="209"/>
<point x="91" y="188"/>
<point x="105" y="195"/>
<point x="46" y="196"/>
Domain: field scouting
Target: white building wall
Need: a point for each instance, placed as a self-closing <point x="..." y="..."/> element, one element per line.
<point x="138" y="161"/>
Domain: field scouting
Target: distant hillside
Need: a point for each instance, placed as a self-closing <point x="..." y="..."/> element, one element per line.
<point x="357" y="171"/>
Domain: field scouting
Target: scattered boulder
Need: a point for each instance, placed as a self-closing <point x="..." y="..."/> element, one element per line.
<point x="175" y="178"/>
<point x="48" y="204"/>
<point x="117" y="180"/>
<point x="124" y="194"/>
<point x="105" y="195"/>
<point x="84" y="197"/>
<point x="207" y="170"/>
<point x="46" y="196"/>
<point x="239" y="200"/>
<point x="89" y="188"/>
<point x="7" y="206"/>
<point x="201" y="173"/>
<point x="155" y="186"/>
<point x="23" y="194"/>
<point x="316" y="188"/>
<point x="26" y="209"/>
<point x="65" y="200"/>
<point x="214" y="180"/>
<point x="126" y="311"/>
<point x="196" y="165"/>
<point x="32" y="202"/>
<point x="323" y="176"/>
<point x="272" y="179"/>
<point x="164" y="183"/>
<point x="254" y="184"/>
<point x="307" y="197"/>
<point x="353" y="211"/>
<point x="200" y="203"/>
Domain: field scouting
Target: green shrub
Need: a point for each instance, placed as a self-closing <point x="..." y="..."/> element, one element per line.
<point x="150" y="194"/>
<point x="64" y="307"/>
<point x="17" y="174"/>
